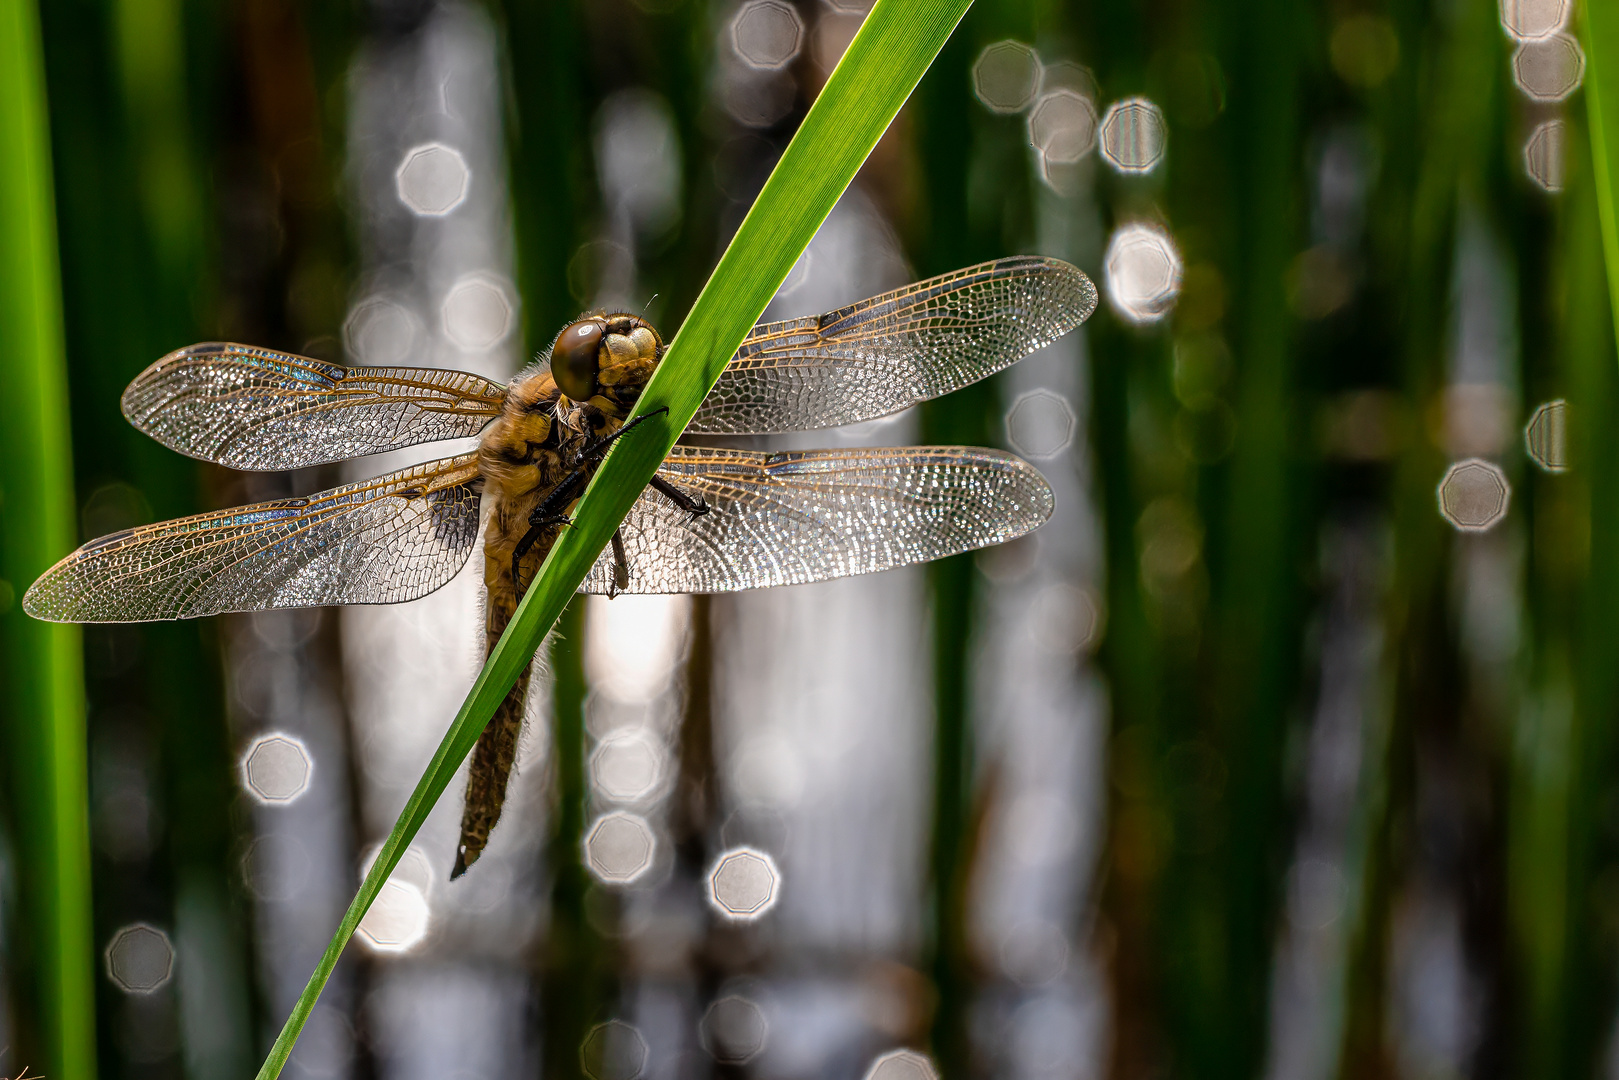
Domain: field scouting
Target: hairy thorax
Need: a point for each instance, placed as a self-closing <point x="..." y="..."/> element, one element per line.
<point x="534" y="444"/>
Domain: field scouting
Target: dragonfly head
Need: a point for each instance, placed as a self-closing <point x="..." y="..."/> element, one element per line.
<point x="605" y="360"/>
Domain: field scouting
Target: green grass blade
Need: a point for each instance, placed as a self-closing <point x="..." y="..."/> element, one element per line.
<point x="1602" y="105"/>
<point x="44" y="708"/>
<point x="897" y="42"/>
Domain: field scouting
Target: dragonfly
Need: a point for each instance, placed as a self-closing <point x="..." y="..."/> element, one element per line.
<point x="712" y="520"/>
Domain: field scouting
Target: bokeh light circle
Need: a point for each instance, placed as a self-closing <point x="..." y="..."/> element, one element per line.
<point x="140" y="959"/>
<point x="744" y="884"/>
<point x="1143" y="272"/>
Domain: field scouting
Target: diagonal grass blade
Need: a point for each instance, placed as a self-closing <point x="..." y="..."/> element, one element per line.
<point x="883" y="64"/>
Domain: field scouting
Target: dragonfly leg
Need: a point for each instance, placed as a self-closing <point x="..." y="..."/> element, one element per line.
<point x="621" y="566"/>
<point x="601" y="445"/>
<point x="549" y="513"/>
<point x="522" y="548"/>
<point x="536" y="529"/>
<point x="692" y="504"/>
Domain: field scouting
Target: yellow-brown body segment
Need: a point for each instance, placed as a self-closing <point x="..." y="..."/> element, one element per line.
<point x="536" y="444"/>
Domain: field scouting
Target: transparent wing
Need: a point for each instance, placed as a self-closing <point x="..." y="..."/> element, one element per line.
<point x="386" y="540"/>
<point x="259" y="409"/>
<point x="892" y="351"/>
<point x="785" y="519"/>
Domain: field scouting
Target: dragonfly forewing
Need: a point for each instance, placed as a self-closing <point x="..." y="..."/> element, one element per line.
<point x="792" y="518"/>
<point x="887" y="353"/>
<point x="258" y="409"/>
<point x="382" y="541"/>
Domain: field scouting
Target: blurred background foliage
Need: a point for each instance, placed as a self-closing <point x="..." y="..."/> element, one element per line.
<point x="1315" y="775"/>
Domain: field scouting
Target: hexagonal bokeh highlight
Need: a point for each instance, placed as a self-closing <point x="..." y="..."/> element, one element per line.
<point x="1549" y="69"/>
<point x="1543" y="154"/>
<point x="1006" y="77"/>
<point x="767" y="34"/>
<point x="1474" y="494"/>
<point x="398" y="919"/>
<point x="619" y="848"/>
<point x="613" y="1051"/>
<point x="734" y="1030"/>
<point x="1143" y="271"/>
<point x="1068" y="75"/>
<point x="433" y="179"/>
<point x="1040" y="424"/>
<point x="379" y="331"/>
<point x="140" y="959"/>
<point x="276" y="867"/>
<point x="1063" y="618"/>
<point x="477" y="312"/>
<point x="1034" y="952"/>
<point x="276" y="768"/>
<point x="628" y="766"/>
<point x="1062" y="126"/>
<point x="1527" y="20"/>
<point x="1545" y="437"/>
<point x="1133" y="136"/>
<point x="903" y="1065"/>
<point x="744" y="884"/>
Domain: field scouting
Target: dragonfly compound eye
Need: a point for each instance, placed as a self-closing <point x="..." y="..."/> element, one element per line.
<point x="574" y="359"/>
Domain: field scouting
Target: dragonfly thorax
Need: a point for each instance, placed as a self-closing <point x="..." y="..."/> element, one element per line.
<point x="606" y="359"/>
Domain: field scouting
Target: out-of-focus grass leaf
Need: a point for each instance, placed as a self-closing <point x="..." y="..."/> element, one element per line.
<point x="886" y="60"/>
<point x="1602" y="105"/>
<point x="44" y="696"/>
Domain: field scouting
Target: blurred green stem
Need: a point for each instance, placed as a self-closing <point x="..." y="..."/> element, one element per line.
<point x="574" y="984"/>
<point x="44" y="686"/>
<point x="548" y="143"/>
<point x="1591" y="587"/>
<point x="1563" y="745"/>
<point x="1602" y="105"/>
